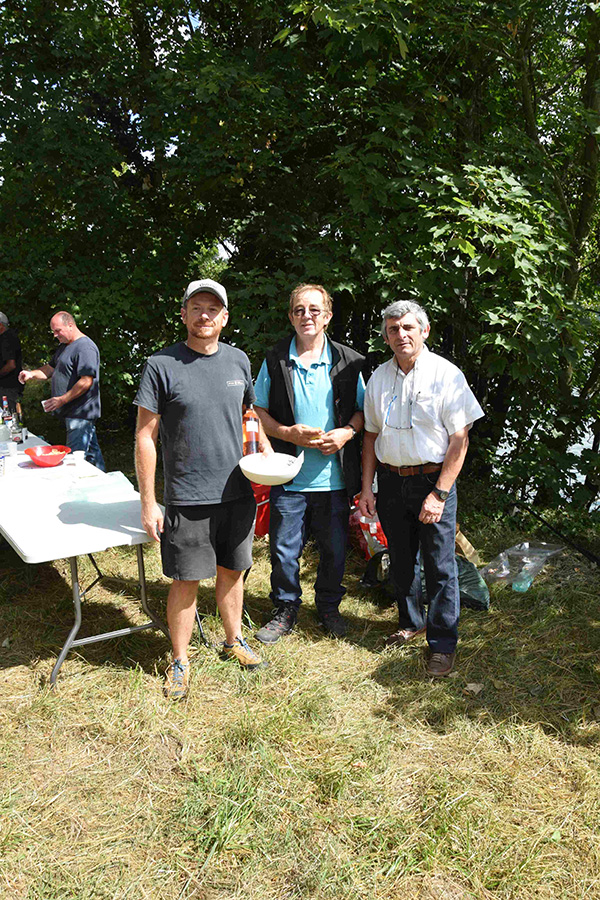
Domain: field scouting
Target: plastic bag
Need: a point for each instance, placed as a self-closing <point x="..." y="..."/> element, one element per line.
<point x="474" y="592"/>
<point x="366" y="533"/>
<point x="103" y="487"/>
<point x="520" y="564"/>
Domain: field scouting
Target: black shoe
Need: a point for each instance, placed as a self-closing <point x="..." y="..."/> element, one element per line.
<point x="282" y="623"/>
<point x="333" y="623"/>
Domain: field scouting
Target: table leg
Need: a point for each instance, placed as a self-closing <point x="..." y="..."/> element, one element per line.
<point x="144" y="595"/>
<point x="73" y="632"/>
<point x="74" y="641"/>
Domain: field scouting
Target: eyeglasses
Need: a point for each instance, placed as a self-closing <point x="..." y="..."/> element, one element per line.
<point x="312" y="313"/>
<point x="399" y="427"/>
<point x="410" y="408"/>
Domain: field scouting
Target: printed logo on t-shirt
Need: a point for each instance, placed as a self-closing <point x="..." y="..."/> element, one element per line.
<point x="235" y="383"/>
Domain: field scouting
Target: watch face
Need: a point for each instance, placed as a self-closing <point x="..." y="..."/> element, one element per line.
<point x="443" y="495"/>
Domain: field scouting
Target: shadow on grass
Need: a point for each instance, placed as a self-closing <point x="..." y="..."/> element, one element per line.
<point x="37" y="613"/>
<point x="534" y="658"/>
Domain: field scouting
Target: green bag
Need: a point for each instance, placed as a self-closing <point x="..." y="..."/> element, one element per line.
<point x="474" y="592"/>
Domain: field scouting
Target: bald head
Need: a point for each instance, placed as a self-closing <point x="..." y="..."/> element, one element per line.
<point x="64" y="327"/>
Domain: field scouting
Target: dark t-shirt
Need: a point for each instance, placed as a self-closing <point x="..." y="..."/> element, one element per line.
<point x="10" y="348"/>
<point x="70" y="363"/>
<point x="199" y="399"/>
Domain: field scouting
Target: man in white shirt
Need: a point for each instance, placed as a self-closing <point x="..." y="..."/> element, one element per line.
<point x="418" y="412"/>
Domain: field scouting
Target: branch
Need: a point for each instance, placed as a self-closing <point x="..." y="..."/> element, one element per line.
<point x="590" y="156"/>
<point x="527" y="90"/>
<point x="564" y="80"/>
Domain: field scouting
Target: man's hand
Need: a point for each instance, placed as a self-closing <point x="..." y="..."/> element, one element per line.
<point x="334" y="440"/>
<point x="265" y="448"/>
<point x="304" y="435"/>
<point x="24" y="376"/>
<point x="53" y="403"/>
<point x="366" y="503"/>
<point x="152" y="521"/>
<point x="431" y="510"/>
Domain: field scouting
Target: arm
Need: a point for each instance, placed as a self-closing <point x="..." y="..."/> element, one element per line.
<point x="433" y="507"/>
<point x="9" y="366"/>
<point x="264" y="444"/>
<point x="40" y="374"/>
<point x="81" y="386"/>
<point x="146" y="437"/>
<point x="366" y="504"/>
<point x="301" y="435"/>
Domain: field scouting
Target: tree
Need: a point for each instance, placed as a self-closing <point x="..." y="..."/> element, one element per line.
<point x="443" y="150"/>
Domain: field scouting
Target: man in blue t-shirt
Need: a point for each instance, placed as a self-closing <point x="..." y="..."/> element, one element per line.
<point x="75" y="373"/>
<point x="309" y="395"/>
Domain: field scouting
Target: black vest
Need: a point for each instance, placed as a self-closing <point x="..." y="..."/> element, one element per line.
<point x="346" y="367"/>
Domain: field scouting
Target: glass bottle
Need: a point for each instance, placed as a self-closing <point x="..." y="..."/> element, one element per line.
<point x="250" y="431"/>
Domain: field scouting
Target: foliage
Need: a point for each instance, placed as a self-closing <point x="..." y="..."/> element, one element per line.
<point x="445" y="150"/>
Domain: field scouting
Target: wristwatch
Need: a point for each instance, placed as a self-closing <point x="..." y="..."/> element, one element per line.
<point x="443" y="495"/>
<point x="354" y="431"/>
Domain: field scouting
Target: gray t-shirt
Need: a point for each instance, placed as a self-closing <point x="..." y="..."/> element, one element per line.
<point x="70" y="363"/>
<point x="199" y="399"/>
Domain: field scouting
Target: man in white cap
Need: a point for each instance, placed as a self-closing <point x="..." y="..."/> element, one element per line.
<point x="194" y="394"/>
<point x="10" y="362"/>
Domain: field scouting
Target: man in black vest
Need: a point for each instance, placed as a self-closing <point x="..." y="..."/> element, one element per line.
<point x="309" y="394"/>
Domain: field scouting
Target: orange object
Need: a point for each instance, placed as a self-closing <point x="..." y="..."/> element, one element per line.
<point x="250" y="431"/>
<point x="48" y="456"/>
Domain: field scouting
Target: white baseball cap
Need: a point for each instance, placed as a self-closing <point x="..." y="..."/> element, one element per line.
<point x="206" y="285"/>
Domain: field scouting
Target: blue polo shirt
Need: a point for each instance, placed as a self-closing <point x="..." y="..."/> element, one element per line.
<point x="313" y="405"/>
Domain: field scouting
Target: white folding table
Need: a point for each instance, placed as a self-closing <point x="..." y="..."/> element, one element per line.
<point x="68" y="511"/>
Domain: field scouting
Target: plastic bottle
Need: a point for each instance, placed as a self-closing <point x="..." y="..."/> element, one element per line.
<point x="525" y="577"/>
<point x="16" y="430"/>
<point x="250" y="431"/>
<point x="4" y="432"/>
<point x="6" y="413"/>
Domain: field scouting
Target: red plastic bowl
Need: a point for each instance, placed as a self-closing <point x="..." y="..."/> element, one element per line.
<point x="42" y="456"/>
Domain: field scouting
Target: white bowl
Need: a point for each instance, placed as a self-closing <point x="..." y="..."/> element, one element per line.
<point x="278" y="468"/>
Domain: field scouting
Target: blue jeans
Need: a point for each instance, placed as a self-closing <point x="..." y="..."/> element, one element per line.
<point x="81" y="435"/>
<point x="294" y="516"/>
<point x="399" y="503"/>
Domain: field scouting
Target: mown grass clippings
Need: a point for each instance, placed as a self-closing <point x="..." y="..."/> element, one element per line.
<point x="341" y="770"/>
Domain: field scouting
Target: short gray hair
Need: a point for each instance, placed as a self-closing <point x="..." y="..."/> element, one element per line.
<point x="400" y="308"/>
<point x="3" y="319"/>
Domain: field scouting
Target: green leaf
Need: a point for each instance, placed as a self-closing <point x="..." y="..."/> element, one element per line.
<point x="464" y="245"/>
<point x="281" y="35"/>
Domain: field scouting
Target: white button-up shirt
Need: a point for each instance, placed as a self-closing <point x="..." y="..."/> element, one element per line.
<point x="415" y="414"/>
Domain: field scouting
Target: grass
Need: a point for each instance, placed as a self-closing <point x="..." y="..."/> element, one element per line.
<point x="340" y="771"/>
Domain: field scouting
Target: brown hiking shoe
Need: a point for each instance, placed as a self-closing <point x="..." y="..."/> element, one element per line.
<point x="403" y="636"/>
<point x="177" y="679"/>
<point x="244" y="654"/>
<point x="440" y="664"/>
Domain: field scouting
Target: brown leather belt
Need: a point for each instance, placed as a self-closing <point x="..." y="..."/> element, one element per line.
<point x="425" y="469"/>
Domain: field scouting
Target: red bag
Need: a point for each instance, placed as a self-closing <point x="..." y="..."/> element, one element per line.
<point x="263" y="509"/>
